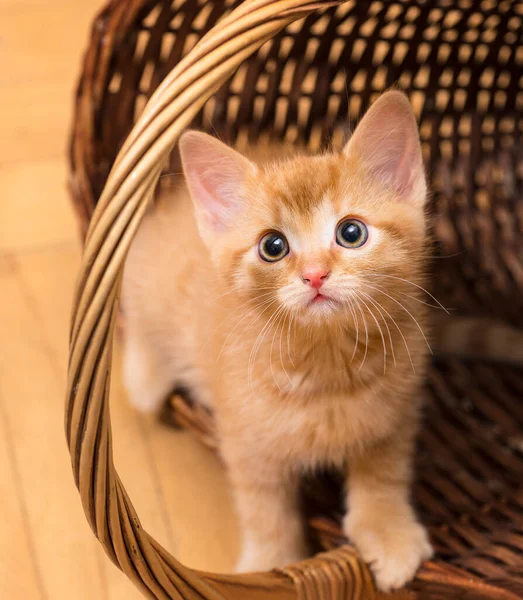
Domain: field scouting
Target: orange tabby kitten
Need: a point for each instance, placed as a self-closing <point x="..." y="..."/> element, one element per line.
<point x="279" y="296"/>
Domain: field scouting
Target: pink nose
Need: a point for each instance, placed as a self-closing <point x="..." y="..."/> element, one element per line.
<point x="315" y="278"/>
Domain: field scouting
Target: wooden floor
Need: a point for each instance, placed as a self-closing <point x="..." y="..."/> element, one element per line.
<point x="47" y="550"/>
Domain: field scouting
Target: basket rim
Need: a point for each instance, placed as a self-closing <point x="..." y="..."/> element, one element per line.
<point x="111" y="229"/>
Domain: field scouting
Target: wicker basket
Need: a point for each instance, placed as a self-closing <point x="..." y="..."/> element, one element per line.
<point x="260" y="71"/>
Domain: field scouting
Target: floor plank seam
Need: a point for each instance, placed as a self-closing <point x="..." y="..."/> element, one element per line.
<point x="19" y="491"/>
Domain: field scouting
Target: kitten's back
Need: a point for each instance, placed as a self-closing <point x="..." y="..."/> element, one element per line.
<point x="167" y="287"/>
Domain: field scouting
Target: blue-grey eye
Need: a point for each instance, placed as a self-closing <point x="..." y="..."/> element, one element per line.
<point x="273" y="247"/>
<point x="351" y="233"/>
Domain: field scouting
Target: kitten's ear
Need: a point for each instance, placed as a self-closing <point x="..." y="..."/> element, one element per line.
<point x="386" y="143"/>
<point x="215" y="174"/>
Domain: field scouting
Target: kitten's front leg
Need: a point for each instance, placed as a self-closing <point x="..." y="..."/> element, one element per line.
<point x="267" y="501"/>
<point x="148" y="377"/>
<point x="381" y="521"/>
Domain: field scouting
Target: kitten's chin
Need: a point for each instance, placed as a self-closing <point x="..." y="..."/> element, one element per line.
<point x="320" y="309"/>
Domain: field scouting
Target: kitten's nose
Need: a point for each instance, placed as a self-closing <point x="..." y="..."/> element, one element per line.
<point x="315" y="278"/>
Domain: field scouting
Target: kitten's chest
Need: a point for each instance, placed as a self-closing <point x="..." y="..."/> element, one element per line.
<point x="326" y="370"/>
<point x="311" y="406"/>
<point x="322" y="431"/>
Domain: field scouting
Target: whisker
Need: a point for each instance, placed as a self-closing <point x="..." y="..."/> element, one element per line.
<point x="423" y="302"/>
<point x="275" y="322"/>
<point x="286" y="316"/>
<point x="411" y="283"/>
<point x="410" y="297"/>
<point x="420" y="301"/>
<point x="355" y="319"/>
<point x="447" y="256"/>
<point x="402" y="335"/>
<point x="207" y="340"/>
<point x="408" y="312"/>
<point x="381" y="334"/>
<point x="257" y="345"/>
<point x="237" y="289"/>
<point x="291" y="320"/>
<point x="270" y="354"/>
<point x="357" y="305"/>
<point x="248" y="313"/>
<point x="377" y="305"/>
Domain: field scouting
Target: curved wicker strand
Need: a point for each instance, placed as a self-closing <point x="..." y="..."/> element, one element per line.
<point x="341" y="577"/>
<point x="120" y="209"/>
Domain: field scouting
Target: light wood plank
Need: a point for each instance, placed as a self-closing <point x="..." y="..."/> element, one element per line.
<point x="41" y="43"/>
<point x="19" y="577"/>
<point x="199" y="500"/>
<point x="65" y="550"/>
<point x="39" y="210"/>
<point x="41" y="53"/>
<point x="35" y="120"/>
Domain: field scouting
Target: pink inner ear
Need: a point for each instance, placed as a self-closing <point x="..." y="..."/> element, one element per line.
<point x="209" y="198"/>
<point x="387" y="143"/>
<point x="215" y="175"/>
<point x="393" y="158"/>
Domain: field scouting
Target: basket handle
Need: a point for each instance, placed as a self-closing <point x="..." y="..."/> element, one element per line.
<point x="87" y="420"/>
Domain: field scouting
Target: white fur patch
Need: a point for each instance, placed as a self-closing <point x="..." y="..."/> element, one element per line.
<point x="146" y="392"/>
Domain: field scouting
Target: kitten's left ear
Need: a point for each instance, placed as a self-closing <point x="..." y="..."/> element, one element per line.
<point x="215" y="175"/>
<point x="386" y="144"/>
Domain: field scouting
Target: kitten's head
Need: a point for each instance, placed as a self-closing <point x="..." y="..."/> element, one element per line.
<point x="316" y="235"/>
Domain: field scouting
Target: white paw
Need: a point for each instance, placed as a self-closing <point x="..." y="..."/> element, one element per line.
<point x="394" y="549"/>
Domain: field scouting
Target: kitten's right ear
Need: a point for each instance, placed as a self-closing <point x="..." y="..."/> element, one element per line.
<point x="386" y="143"/>
<point x="215" y="175"/>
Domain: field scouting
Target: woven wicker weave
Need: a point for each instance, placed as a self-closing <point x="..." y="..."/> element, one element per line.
<point x="461" y="63"/>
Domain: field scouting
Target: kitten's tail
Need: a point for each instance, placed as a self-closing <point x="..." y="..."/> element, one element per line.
<point x="472" y="337"/>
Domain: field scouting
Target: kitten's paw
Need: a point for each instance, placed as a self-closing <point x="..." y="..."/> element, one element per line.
<point x="394" y="549"/>
<point x="263" y="558"/>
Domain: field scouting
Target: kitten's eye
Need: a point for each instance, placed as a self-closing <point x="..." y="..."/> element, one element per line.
<point x="351" y="233"/>
<point x="273" y="247"/>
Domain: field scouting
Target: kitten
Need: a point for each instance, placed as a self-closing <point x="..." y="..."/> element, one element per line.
<point x="287" y="299"/>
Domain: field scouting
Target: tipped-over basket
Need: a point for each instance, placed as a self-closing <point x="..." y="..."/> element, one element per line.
<point x="304" y="71"/>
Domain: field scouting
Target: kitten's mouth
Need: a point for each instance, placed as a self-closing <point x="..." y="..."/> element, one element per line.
<point x="321" y="298"/>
